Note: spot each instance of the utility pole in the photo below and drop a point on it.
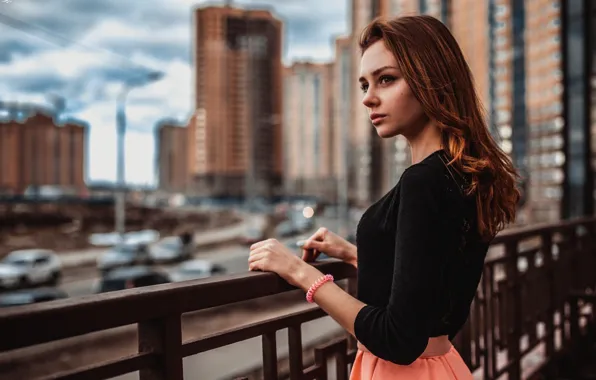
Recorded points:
(120, 205)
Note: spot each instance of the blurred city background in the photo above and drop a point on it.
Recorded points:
(152, 142)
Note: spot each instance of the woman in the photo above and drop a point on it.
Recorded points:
(421, 247)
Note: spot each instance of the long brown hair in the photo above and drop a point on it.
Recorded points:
(432, 63)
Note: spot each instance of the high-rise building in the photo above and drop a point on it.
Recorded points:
(534, 92)
(540, 153)
(308, 134)
(578, 36)
(342, 84)
(360, 126)
(37, 152)
(172, 157)
(237, 124)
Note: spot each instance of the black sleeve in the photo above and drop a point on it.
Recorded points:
(399, 333)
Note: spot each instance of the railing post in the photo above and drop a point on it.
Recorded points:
(295, 341)
(513, 349)
(341, 364)
(574, 330)
(547, 252)
(269, 356)
(164, 337)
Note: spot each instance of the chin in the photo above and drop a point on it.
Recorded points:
(385, 132)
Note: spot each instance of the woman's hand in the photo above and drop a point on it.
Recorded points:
(272, 256)
(325, 241)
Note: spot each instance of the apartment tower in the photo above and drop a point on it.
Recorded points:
(236, 128)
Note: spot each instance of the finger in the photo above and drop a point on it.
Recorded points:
(310, 255)
(261, 244)
(257, 255)
(313, 244)
(307, 255)
(320, 234)
(257, 262)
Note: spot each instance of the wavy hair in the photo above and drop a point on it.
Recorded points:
(433, 65)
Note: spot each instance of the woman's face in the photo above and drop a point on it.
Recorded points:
(392, 107)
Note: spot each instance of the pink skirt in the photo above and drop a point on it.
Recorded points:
(449, 366)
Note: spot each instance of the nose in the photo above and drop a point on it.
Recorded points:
(370, 99)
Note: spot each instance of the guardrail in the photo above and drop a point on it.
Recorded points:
(522, 302)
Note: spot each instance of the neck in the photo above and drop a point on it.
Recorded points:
(425, 143)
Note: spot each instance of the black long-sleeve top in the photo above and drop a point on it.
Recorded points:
(420, 260)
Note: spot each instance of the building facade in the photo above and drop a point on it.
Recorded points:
(37, 152)
(172, 156)
(309, 141)
(342, 87)
(236, 131)
(531, 68)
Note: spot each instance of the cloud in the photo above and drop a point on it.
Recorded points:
(85, 50)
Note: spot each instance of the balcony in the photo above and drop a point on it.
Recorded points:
(533, 308)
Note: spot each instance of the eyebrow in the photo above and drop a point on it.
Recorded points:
(376, 72)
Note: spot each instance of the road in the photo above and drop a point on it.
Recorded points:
(81, 281)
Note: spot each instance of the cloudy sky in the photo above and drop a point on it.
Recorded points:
(84, 50)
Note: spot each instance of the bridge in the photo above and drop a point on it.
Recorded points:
(535, 304)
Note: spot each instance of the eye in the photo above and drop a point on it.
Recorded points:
(386, 79)
(364, 87)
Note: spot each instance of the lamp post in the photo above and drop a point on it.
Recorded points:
(121, 131)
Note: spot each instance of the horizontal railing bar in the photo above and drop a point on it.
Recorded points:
(576, 295)
(314, 372)
(528, 252)
(521, 233)
(45, 322)
(109, 369)
(238, 334)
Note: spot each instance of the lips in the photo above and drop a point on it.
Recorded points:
(377, 118)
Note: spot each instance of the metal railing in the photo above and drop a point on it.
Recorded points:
(522, 303)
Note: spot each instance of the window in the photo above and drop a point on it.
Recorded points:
(501, 10)
(501, 40)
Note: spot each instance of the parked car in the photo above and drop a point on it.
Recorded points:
(195, 269)
(30, 296)
(130, 277)
(125, 254)
(171, 249)
(252, 235)
(286, 228)
(28, 267)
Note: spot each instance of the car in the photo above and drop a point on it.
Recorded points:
(195, 269)
(172, 249)
(130, 277)
(252, 235)
(124, 254)
(286, 228)
(30, 296)
(28, 267)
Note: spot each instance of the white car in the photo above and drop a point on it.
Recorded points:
(30, 267)
(122, 255)
(171, 249)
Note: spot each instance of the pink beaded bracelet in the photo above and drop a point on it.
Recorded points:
(313, 288)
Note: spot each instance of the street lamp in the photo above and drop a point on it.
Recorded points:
(121, 131)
